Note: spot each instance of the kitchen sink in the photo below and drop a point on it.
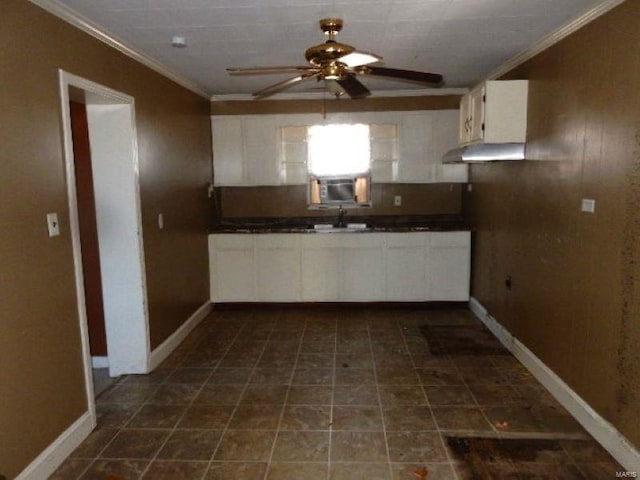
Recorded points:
(349, 227)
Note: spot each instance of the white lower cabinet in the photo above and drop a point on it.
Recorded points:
(232, 268)
(320, 267)
(405, 263)
(277, 268)
(360, 267)
(448, 266)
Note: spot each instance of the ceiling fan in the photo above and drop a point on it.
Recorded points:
(338, 65)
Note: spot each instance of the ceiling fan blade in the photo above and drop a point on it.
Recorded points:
(357, 59)
(277, 87)
(433, 79)
(353, 87)
(268, 70)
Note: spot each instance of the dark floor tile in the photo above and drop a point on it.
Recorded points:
(219, 395)
(416, 447)
(135, 444)
(195, 376)
(356, 418)
(496, 395)
(114, 415)
(313, 376)
(240, 360)
(128, 393)
(449, 395)
(95, 443)
(358, 447)
(230, 376)
(278, 359)
(168, 470)
(427, 360)
(360, 471)
(355, 395)
(157, 416)
(268, 375)
(315, 360)
(532, 419)
(461, 418)
(354, 360)
(395, 395)
(394, 361)
(264, 395)
(354, 376)
(439, 376)
(256, 417)
(246, 445)
(297, 471)
(301, 446)
(190, 445)
(200, 361)
(299, 417)
(158, 376)
(414, 471)
(126, 469)
(408, 418)
(71, 468)
(397, 376)
(482, 376)
(309, 395)
(206, 416)
(174, 394)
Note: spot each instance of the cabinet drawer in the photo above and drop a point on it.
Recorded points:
(450, 239)
(277, 241)
(233, 241)
(413, 239)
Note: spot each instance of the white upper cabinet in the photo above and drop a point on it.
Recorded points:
(228, 155)
(406, 147)
(494, 112)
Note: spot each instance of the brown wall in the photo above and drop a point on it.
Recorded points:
(41, 370)
(575, 299)
(291, 201)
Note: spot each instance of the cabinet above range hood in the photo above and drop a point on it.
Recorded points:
(493, 123)
(485, 152)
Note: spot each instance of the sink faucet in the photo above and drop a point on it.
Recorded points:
(341, 217)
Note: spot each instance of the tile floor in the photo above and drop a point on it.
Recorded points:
(334, 394)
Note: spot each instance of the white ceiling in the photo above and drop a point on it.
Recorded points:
(462, 39)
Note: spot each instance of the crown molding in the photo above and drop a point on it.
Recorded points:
(327, 96)
(78, 20)
(554, 37)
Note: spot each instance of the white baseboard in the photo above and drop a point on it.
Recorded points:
(52, 457)
(604, 432)
(170, 344)
(100, 362)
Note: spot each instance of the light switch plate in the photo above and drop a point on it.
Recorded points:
(53, 225)
(588, 205)
(160, 221)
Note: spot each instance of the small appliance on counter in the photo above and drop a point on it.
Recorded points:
(334, 192)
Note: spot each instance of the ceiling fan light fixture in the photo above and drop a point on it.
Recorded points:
(333, 71)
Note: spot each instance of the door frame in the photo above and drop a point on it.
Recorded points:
(128, 352)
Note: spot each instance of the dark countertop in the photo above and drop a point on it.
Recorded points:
(432, 223)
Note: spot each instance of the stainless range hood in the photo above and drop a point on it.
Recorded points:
(485, 152)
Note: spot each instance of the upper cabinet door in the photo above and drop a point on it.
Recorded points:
(260, 135)
(494, 112)
(416, 137)
(228, 157)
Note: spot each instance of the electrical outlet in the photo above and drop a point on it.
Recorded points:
(588, 205)
(397, 200)
(53, 225)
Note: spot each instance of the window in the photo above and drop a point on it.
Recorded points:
(338, 149)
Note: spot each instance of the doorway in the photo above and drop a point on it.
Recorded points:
(114, 271)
